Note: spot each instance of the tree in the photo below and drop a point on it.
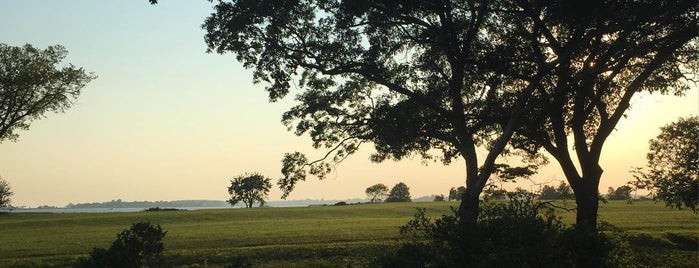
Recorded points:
(456, 193)
(439, 198)
(599, 55)
(5, 193)
(411, 77)
(249, 188)
(399, 193)
(377, 192)
(548, 192)
(621, 193)
(673, 164)
(32, 84)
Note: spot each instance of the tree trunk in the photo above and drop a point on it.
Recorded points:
(587, 200)
(469, 207)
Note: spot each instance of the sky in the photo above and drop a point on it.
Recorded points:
(165, 120)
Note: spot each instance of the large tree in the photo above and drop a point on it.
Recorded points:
(411, 77)
(377, 192)
(673, 164)
(601, 53)
(399, 193)
(249, 188)
(5, 193)
(32, 83)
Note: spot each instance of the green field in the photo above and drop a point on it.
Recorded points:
(322, 236)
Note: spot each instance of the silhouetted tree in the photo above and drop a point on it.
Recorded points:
(249, 188)
(32, 84)
(377, 192)
(620, 193)
(456, 193)
(399, 193)
(673, 164)
(599, 54)
(411, 77)
(439, 198)
(5, 193)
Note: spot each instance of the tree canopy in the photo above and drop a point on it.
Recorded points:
(673, 164)
(32, 84)
(377, 192)
(414, 78)
(399, 193)
(249, 188)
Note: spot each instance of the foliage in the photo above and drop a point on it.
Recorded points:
(673, 164)
(249, 188)
(5, 193)
(522, 232)
(139, 246)
(439, 198)
(399, 193)
(377, 192)
(413, 78)
(620, 193)
(563, 191)
(32, 84)
(599, 54)
(456, 193)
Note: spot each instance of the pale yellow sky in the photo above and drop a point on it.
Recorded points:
(165, 121)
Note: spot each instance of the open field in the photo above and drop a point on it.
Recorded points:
(327, 236)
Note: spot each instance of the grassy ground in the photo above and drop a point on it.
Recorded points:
(294, 237)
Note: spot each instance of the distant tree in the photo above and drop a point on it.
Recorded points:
(5, 193)
(620, 193)
(439, 198)
(399, 193)
(673, 164)
(377, 192)
(456, 193)
(548, 192)
(249, 188)
(31, 84)
(563, 191)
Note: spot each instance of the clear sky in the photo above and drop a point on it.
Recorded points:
(167, 121)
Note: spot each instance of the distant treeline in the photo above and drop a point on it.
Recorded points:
(148, 204)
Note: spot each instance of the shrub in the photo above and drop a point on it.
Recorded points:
(139, 246)
(520, 232)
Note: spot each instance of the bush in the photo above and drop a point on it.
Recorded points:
(520, 232)
(139, 246)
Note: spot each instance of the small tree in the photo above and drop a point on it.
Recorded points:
(621, 193)
(673, 164)
(139, 246)
(377, 192)
(399, 193)
(5, 193)
(439, 198)
(32, 85)
(456, 193)
(249, 188)
(548, 192)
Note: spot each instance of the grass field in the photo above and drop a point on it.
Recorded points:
(329, 236)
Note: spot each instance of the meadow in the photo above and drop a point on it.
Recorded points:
(316, 236)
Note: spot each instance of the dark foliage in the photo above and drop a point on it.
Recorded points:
(399, 193)
(249, 188)
(139, 246)
(521, 232)
(620, 193)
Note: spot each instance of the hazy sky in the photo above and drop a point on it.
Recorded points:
(166, 121)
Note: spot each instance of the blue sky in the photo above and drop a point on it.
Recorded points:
(165, 120)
